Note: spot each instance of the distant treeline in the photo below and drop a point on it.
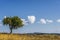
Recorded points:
(34, 33)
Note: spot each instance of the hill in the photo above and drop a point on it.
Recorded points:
(6, 36)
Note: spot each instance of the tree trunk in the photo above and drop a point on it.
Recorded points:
(10, 30)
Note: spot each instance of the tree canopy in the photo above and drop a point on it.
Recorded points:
(13, 22)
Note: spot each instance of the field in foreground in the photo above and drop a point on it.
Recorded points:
(28, 37)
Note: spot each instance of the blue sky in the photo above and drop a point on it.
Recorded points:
(40, 9)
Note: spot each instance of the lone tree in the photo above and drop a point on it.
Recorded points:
(13, 22)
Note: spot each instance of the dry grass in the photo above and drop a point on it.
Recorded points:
(28, 37)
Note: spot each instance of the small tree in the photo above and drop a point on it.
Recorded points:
(13, 22)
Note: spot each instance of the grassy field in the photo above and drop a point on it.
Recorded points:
(28, 37)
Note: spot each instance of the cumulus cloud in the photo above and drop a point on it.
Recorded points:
(43, 21)
(31, 19)
(58, 20)
(49, 21)
(24, 22)
(4, 16)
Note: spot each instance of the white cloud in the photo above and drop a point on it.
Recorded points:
(43, 21)
(31, 19)
(49, 21)
(58, 20)
(4, 16)
(24, 22)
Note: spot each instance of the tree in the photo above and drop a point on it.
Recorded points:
(13, 22)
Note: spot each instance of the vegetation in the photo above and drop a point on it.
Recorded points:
(28, 37)
(13, 22)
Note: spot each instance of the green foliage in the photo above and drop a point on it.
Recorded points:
(16, 22)
(13, 22)
(6, 21)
